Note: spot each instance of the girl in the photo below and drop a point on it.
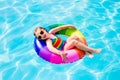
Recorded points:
(72, 41)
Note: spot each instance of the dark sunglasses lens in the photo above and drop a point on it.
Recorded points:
(39, 37)
(41, 32)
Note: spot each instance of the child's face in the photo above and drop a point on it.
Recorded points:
(41, 34)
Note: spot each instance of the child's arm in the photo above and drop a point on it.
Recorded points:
(51, 48)
(54, 50)
(53, 31)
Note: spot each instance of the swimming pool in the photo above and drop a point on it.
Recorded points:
(98, 20)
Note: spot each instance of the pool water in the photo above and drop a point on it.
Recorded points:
(98, 20)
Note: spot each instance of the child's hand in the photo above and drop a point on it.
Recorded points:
(63, 55)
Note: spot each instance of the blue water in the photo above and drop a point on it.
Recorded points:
(98, 20)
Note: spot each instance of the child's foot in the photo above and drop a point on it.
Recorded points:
(90, 56)
(97, 50)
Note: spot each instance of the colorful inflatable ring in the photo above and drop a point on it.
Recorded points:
(72, 55)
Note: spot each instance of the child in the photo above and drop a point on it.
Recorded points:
(72, 41)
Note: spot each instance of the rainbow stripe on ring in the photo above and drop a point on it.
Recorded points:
(72, 55)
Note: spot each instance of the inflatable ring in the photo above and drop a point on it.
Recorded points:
(72, 54)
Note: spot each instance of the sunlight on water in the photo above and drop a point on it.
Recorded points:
(98, 20)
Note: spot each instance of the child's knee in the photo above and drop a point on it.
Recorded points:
(74, 42)
(74, 37)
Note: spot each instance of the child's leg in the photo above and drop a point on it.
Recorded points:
(74, 37)
(80, 45)
(89, 54)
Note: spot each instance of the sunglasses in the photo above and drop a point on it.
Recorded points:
(39, 37)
